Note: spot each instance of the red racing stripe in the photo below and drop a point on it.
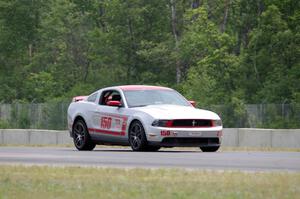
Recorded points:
(107, 132)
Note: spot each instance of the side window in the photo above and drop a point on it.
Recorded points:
(92, 98)
(110, 95)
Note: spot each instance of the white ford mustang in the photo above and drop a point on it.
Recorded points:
(144, 117)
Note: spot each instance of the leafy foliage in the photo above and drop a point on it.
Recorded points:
(231, 52)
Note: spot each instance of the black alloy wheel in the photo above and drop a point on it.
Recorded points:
(137, 137)
(81, 137)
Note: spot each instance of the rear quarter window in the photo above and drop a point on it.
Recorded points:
(92, 98)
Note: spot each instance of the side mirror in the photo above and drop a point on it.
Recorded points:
(114, 103)
(193, 103)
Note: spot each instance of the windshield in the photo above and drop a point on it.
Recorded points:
(136, 98)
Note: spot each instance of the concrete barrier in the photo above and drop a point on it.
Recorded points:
(233, 137)
(34, 137)
(15, 136)
(248, 137)
(230, 137)
(286, 138)
(63, 137)
(255, 137)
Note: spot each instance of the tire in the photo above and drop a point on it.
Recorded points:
(81, 137)
(137, 137)
(209, 148)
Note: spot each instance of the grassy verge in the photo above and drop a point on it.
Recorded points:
(74, 182)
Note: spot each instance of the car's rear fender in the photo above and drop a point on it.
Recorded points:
(75, 112)
(78, 117)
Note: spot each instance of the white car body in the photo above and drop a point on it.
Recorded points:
(109, 124)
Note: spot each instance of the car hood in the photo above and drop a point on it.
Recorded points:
(177, 112)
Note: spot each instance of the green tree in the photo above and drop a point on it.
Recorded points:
(212, 63)
(272, 59)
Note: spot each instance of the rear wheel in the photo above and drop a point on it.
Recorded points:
(81, 137)
(137, 137)
(209, 148)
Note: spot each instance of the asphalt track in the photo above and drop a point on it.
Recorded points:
(125, 158)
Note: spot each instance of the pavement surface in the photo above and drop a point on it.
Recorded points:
(125, 158)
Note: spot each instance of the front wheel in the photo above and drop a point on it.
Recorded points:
(137, 137)
(209, 148)
(81, 137)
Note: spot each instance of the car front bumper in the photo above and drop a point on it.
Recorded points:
(171, 137)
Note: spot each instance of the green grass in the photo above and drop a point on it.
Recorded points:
(75, 182)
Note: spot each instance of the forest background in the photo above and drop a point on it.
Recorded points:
(228, 53)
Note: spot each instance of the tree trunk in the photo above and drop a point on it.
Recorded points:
(86, 70)
(209, 9)
(100, 22)
(261, 7)
(175, 34)
(30, 51)
(195, 4)
(131, 52)
(223, 25)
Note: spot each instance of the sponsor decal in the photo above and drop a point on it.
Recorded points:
(165, 133)
(185, 133)
(195, 133)
(111, 125)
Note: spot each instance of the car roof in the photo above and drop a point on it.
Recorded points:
(142, 87)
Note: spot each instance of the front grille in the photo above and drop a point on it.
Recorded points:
(190, 142)
(192, 123)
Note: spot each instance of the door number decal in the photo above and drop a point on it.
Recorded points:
(105, 123)
(112, 125)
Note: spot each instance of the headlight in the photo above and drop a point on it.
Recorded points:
(217, 122)
(162, 123)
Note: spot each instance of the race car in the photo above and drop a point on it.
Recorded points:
(144, 117)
